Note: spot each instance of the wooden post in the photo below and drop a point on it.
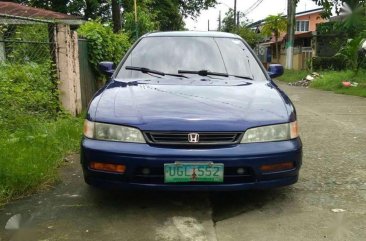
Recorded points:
(2, 48)
(67, 62)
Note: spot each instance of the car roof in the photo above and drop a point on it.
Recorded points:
(192, 34)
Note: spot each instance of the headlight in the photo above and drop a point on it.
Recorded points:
(109, 132)
(279, 132)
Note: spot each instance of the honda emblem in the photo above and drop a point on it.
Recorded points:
(193, 137)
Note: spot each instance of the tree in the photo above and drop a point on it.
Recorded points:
(274, 25)
(146, 22)
(353, 54)
(328, 5)
(228, 23)
(193, 8)
(116, 16)
(168, 13)
(250, 36)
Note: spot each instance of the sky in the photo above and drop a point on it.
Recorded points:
(267, 7)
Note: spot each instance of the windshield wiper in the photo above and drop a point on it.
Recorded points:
(202, 73)
(206, 73)
(151, 71)
(242, 77)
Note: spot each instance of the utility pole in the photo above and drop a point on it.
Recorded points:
(291, 23)
(235, 12)
(237, 18)
(136, 23)
(208, 25)
(220, 20)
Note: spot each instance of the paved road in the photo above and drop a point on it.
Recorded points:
(328, 202)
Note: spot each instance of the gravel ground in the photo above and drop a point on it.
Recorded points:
(328, 202)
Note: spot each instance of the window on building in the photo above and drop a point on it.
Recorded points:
(302, 26)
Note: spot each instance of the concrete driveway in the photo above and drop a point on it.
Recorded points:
(328, 202)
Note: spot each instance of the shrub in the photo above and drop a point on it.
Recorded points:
(103, 44)
(329, 63)
(27, 94)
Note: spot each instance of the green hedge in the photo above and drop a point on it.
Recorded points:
(103, 44)
(329, 63)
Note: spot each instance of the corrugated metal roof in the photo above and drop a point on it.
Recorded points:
(15, 9)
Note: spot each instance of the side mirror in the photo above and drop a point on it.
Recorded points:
(275, 70)
(107, 68)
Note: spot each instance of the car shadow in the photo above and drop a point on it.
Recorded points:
(230, 204)
(222, 205)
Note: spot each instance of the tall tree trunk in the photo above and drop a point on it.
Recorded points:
(116, 16)
(277, 52)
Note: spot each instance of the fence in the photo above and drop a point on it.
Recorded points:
(26, 40)
(34, 42)
(88, 82)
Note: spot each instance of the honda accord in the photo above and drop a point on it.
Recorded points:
(191, 111)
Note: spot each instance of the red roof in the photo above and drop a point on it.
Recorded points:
(19, 10)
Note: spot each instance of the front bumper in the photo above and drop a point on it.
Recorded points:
(138, 156)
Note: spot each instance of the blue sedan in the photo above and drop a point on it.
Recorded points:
(190, 111)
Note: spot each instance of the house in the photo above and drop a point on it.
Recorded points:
(304, 45)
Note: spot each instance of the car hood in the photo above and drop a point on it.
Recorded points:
(187, 107)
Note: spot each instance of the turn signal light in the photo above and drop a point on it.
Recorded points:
(277, 167)
(118, 168)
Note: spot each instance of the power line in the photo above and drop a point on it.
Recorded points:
(253, 7)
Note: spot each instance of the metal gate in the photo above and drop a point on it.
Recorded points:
(306, 55)
(88, 83)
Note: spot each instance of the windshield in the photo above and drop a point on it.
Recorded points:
(171, 54)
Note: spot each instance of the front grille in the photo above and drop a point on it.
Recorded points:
(181, 138)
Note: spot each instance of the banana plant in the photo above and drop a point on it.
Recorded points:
(354, 53)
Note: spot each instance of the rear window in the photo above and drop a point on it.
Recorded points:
(170, 54)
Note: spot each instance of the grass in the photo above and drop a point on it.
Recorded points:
(293, 75)
(29, 157)
(332, 81)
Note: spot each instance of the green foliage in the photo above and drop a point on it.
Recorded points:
(228, 25)
(332, 81)
(329, 5)
(329, 63)
(89, 9)
(26, 43)
(353, 21)
(350, 52)
(274, 25)
(29, 157)
(27, 94)
(327, 28)
(146, 23)
(103, 44)
(228, 22)
(193, 8)
(32, 128)
(293, 75)
(248, 35)
(168, 15)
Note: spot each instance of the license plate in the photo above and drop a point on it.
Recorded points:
(193, 172)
